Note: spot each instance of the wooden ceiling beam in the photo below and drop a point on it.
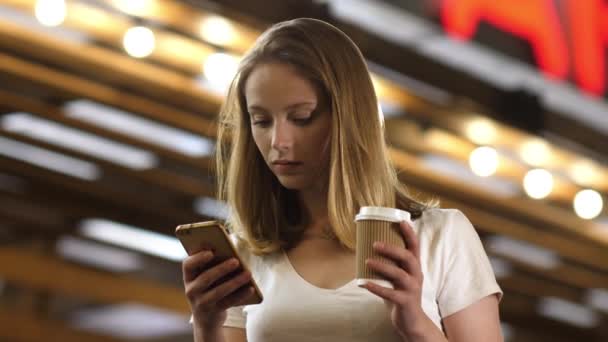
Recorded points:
(187, 20)
(581, 252)
(26, 327)
(49, 273)
(577, 275)
(163, 179)
(66, 211)
(410, 136)
(126, 203)
(521, 312)
(68, 86)
(520, 218)
(104, 65)
(568, 273)
(31, 270)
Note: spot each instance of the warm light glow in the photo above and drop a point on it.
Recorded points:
(217, 30)
(219, 69)
(139, 41)
(535, 152)
(380, 114)
(50, 12)
(379, 87)
(583, 172)
(134, 7)
(484, 161)
(588, 204)
(481, 131)
(538, 183)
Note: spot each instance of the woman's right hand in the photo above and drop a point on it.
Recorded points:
(208, 299)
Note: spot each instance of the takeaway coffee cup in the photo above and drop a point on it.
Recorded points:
(376, 224)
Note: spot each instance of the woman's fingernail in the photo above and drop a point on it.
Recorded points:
(378, 245)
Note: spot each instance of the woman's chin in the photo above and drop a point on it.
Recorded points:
(290, 182)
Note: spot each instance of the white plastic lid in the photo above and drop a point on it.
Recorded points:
(382, 213)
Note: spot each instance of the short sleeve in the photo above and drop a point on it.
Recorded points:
(235, 317)
(467, 274)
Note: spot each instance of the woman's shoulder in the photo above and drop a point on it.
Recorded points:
(438, 218)
(443, 222)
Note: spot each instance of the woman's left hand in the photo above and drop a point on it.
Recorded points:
(405, 299)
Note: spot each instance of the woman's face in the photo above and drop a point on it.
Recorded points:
(290, 127)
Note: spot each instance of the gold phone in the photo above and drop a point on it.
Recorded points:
(212, 235)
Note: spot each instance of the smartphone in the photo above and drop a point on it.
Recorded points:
(212, 235)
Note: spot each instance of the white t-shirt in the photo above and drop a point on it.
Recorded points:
(456, 271)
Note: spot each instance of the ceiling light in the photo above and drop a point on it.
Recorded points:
(458, 170)
(597, 298)
(583, 172)
(481, 131)
(522, 251)
(484, 161)
(217, 30)
(131, 124)
(131, 321)
(211, 207)
(396, 25)
(220, 69)
(588, 204)
(133, 7)
(49, 159)
(29, 125)
(50, 12)
(139, 42)
(535, 152)
(568, 312)
(501, 267)
(507, 331)
(29, 22)
(134, 238)
(538, 183)
(98, 255)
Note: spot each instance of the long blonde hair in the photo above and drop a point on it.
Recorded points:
(265, 214)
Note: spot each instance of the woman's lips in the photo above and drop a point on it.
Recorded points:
(285, 168)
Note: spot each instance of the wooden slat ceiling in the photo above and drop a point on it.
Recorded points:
(40, 74)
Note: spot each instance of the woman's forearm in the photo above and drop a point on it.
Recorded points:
(207, 335)
(425, 331)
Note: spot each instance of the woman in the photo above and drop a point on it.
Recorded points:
(306, 151)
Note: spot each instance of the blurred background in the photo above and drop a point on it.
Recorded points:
(107, 126)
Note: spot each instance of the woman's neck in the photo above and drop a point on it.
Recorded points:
(314, 204)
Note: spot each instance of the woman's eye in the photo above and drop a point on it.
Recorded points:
(302, 121)
(262, 123)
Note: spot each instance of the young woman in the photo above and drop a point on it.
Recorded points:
(300, 149)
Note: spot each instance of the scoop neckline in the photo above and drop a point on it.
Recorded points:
(308, 284)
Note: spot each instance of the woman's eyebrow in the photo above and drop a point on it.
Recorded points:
(289, 107)
(257, 108)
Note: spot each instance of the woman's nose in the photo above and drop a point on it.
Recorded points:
(282, 137)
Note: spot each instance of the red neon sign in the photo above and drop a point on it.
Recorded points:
(537, 22)
(590, 37)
